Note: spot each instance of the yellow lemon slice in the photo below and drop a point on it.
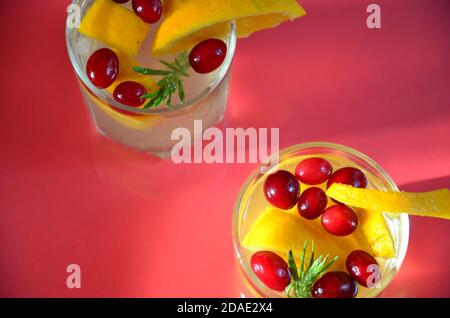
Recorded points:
(190, 21)
(434, 204)
(114, 25)
(280, 231)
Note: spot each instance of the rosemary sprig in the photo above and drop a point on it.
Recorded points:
(171, 82)
(303, 280)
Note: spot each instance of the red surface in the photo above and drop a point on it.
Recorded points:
(139, 226)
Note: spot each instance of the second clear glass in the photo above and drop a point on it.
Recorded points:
(150, 130)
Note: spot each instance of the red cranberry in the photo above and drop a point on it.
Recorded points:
(102, 68)
(339, 220)
(363, 267)
(313, 171)
(282, 189)
(208, 55)
(350, 176)
(271, 269)
(129, 93)
(335, 285)
(121, 1)
(148, 10)
(312, 203)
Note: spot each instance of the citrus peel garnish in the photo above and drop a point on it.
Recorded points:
(373, 229)
(189, 22)
(433, 204)
(114, 25)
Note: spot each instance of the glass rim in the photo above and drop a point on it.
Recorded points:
(245, 268)
(104, 96)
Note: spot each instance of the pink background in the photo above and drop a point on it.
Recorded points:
(139, 226)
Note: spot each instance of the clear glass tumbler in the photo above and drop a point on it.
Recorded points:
(150, 130)
(251, 202)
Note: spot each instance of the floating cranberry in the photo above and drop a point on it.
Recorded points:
(351, 176)
(208, 55)
(271, 269)
(363, 267)
(313, 171)
(102, 68)
(148, 10)
(335, 285)
(339, 220)
(121, 1)
(129, 93)
(282, 189)
(312, 203)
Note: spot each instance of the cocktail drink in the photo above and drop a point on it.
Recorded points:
(116, 99)
(147, 67)
(281, 214)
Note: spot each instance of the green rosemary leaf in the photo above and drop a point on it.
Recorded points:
(330, 263)
(173, 68)
(149, 104)
(182, 67)
(292, 266)
(171, 82)
(184, 73)
(181, 91)
(303, 257)
(303, 280)
(311, 260)
(156, 100)
(150, 95)
(169, 101)
(178, 64)
(288, 290)
(166, 93)
(173, 85)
